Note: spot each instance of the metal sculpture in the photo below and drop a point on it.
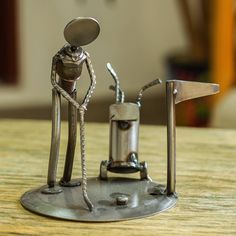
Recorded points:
(106, 198)
(66, 71)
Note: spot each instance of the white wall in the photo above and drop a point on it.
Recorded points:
(135, 37)
(224, 113)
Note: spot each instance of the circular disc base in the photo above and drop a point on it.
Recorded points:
(144, 198)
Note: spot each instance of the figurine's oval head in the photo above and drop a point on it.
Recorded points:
(69, 65)
(81, 31)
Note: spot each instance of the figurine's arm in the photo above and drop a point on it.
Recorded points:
(57, 87)
(92, 81)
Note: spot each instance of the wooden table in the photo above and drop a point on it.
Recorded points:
(206, 180)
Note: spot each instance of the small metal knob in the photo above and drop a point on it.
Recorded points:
(122, 200)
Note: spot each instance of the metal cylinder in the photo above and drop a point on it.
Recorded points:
(171, 138)
(124, 135)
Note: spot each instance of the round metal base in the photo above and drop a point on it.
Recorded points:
(114, 199)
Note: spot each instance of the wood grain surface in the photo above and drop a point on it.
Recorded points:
(206, 179)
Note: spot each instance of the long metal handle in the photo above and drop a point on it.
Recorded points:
(55, 138)
(171, 139)
(83, 160)
(72, 133)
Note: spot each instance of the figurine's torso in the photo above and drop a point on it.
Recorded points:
(69, 66)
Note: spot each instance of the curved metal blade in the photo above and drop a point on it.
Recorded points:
(185, 90)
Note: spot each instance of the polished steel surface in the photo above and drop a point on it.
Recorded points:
(186, 90)
(145, 198)
(124, 136)
(124, 146)
(124, 111)
(81, 31)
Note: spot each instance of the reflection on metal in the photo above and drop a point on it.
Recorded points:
(176, 92)
(114, 200)
(104, 198)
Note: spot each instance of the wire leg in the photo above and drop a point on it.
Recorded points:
(55, 143)
(72, 132)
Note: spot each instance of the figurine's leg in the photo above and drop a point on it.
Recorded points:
(72, 132)
(55, 143)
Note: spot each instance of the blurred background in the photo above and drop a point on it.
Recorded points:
(143, 40)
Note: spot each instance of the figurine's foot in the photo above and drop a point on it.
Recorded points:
(71, 183)
(144, 171)
(52, 190)
(175, 194)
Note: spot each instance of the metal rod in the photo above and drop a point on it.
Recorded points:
(83, 160)
(171, 138)
(146, 86)
(122, 96)
(121, 93)
(117, 83)
(55, 138)
(92, 81)
(72, 132)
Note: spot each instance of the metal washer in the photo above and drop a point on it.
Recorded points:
(81, 31)
(145, 198)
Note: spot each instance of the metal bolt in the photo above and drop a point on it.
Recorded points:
(122, 200)
(123, 125)
(51, 190)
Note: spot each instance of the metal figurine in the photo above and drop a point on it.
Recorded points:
(106, 198)
(67, 66)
